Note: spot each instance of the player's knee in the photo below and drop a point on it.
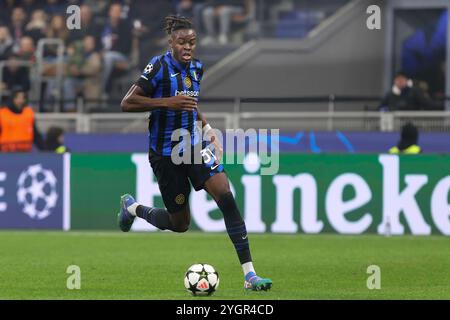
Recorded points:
(219, 193)
(218, 186)
(224, 195)
(180, 222)
(181, 227)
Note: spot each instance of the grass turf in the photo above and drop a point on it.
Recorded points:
(152, 265)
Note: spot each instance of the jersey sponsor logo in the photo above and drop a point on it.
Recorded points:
(187, 93)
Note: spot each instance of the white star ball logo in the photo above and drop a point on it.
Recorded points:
(148, 68)
(36, 191)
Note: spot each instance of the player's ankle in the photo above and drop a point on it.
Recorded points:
(132, 209)
(249, 276)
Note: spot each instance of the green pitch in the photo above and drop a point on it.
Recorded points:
(152, 265)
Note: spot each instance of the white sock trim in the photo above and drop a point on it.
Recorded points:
(248, 267)
(132, 209)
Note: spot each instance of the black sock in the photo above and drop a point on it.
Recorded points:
(235, 226)
(155, 216)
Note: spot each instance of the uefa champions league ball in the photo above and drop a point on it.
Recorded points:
(201, 279)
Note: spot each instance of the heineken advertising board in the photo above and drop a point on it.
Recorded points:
(347, 194)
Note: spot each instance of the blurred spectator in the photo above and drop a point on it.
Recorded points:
(6, 12)
(18, 129)
(83, 71)
(55, 140)
(147, 26)
(55, 7)
(58, 28)
(116, 41)
(184, 8)
(227, 12)
(37, 27)
(406, 96)
(192, 9)
(73, 2)
(440, 81)
(142, 13)
(88, 25)
(26, 49)
(15, 76)
(408, 141)
(99, 9)
(6, 43)
(17, 26)
(29, 6)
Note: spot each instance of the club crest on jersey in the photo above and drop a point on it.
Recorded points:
(179, 199)
(187, 82)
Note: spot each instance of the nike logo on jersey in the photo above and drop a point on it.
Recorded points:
(245, 237)
(174, 75)
(213, 167)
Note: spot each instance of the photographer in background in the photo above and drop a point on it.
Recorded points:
(406, 96)
(408, 141)
(55, 140)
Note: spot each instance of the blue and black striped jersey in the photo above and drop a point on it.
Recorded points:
(166, 77)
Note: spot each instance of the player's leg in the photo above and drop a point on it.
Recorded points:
(175, 188)
(219, 188)
(161, 218)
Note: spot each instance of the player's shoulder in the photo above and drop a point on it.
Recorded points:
(198, 64)
(153, 66)
(197, 69)
(156, 59)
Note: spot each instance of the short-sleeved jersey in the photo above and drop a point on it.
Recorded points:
(166, 77)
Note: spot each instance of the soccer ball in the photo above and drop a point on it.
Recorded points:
(201, 279)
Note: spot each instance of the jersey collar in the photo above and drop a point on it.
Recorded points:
(176, 64)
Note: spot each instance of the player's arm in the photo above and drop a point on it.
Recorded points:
(140, 96)
(136, 100)
(210, 134)
(202, 118)
(200, 115)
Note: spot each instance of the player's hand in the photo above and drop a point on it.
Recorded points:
(217, 145)
(182, 102)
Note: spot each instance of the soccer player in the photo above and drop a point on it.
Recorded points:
(168, 88)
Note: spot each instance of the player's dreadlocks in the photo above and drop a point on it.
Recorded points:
(174, 23)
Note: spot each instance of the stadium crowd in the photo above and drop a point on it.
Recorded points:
(106, 47)
(116, 38)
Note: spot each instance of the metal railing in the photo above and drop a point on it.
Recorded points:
(36, 70)
(113, 122)
(438, 121)
(58, 62)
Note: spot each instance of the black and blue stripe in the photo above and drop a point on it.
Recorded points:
(165, 77)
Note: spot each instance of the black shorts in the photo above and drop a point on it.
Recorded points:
(173, 179)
